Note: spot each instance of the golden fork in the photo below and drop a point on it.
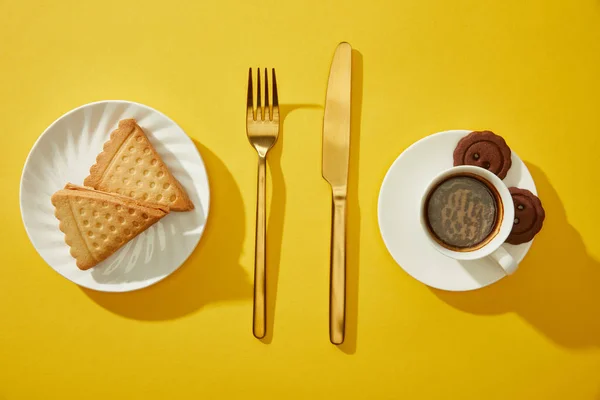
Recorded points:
(262, 128)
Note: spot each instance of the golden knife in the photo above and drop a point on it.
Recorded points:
(336, 152)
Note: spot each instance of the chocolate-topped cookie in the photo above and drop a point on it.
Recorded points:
(484, 149)
(529, 216)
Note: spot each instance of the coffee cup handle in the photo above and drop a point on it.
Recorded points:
(506, 261)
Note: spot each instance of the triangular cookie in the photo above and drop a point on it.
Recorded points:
(96, 224)
(129, 165)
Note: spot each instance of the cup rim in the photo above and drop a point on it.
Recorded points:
(505, 225)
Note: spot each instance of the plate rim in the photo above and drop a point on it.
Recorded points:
(379, 215)
(28, 159)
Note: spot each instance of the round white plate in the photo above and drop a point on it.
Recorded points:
(398, 213)
(66, 151)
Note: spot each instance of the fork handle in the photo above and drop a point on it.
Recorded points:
(259, 323)
(337, 277)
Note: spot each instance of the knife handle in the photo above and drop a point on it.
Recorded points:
(337, 277)
(259, 319)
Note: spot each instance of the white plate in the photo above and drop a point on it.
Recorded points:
(398, 213)
(66, 151)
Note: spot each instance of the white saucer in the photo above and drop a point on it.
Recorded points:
(398, 213)
(65, 152)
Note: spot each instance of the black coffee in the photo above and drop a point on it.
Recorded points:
(462, 212)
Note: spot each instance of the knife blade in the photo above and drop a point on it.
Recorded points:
(336, 154)
(336, 121)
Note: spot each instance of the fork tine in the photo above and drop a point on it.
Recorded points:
(275, 113)
(259, 113)
(249, 101)
(267, 108)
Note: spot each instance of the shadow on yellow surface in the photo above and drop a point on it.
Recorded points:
(276, 216)
(211, 275)
(353, 224)
(555, 288)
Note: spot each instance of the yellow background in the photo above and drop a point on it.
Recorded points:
(529, 70)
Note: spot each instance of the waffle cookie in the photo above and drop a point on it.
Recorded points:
(129, 165)
(96, 224)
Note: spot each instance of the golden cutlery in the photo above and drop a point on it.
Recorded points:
(262, 128)
(336, 154)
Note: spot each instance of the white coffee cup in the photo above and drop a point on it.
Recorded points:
(505, 210)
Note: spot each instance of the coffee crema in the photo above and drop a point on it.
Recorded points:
(463, 212)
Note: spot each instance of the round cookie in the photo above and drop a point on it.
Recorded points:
(529, 216)
(484, 149)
